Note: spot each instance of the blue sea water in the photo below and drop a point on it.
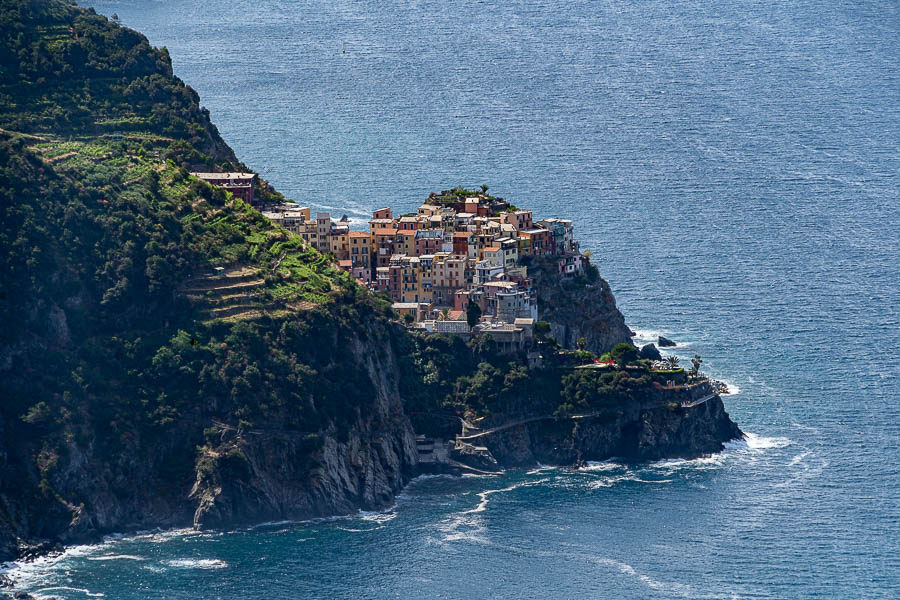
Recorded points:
(735, 169)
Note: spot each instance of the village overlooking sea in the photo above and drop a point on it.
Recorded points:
(458, 265)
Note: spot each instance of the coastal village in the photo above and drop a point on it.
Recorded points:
(457, 265)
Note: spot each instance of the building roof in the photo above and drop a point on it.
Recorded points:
(345, 263)
(462, 234)
(360, 234)
(385, 231)
(405, 305)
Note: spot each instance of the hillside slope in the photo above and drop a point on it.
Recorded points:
(136, 381)
(168, 356)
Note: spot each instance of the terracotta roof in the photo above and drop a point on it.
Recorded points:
(345, 263)
(385, 231)
(462, 234)
(360, 234)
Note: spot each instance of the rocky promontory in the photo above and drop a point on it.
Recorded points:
(171, 358)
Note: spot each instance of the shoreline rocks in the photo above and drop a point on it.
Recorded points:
(665, 342)
(650, 352)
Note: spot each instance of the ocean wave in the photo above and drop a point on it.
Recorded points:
(116, 557)
(601, 466)
(86, 592)
(485, 495)
(669, 587)
(197, 563)
(733, 389)
(752, 441)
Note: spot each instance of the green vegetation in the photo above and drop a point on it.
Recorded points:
(624, 354)
(473, 314)
(140, 303)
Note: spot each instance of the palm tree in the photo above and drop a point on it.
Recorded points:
(673, 362)
(445, 312)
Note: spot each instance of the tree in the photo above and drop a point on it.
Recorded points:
(696, 361)
(673, 362)
(473, 314)
(541, 329)
(484, 189)
(445, 312)
(581, 343)
(624, 354)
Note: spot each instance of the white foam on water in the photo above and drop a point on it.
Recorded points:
(378, 517)
(541, 469)
(758, 442)
(646, 336)
(70, 589)
(32, 573)
(467, 525)
(116, 557)
(799, 458)
(197, 563)
(485, 495)
(669, 587)
(702, 463)
(608, 482)
(599, 467)
(733, 389)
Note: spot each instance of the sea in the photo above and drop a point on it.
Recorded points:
(734, 167)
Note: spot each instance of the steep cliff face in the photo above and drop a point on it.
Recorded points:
(266, 473)
(575, 308)
(641, 430)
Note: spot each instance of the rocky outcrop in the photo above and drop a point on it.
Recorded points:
(665, 342)
(650, 352)
(640, 430)
(578, 308)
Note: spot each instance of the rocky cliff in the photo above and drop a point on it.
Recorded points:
(141, 390)
(268, 473)
(650, 427)
(578, 307)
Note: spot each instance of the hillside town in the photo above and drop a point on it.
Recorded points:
(459, 264)
(447, 257)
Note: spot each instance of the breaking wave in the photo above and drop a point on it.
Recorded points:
(197, 563)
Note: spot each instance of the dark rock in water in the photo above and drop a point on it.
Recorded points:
(650, 352)
(23, 596)
(633, 333)
(665, 342)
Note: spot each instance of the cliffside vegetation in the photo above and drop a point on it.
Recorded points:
(167, 353)
(115, 346)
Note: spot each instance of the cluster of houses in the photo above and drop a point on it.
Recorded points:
(451, 253)
(434, 263)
